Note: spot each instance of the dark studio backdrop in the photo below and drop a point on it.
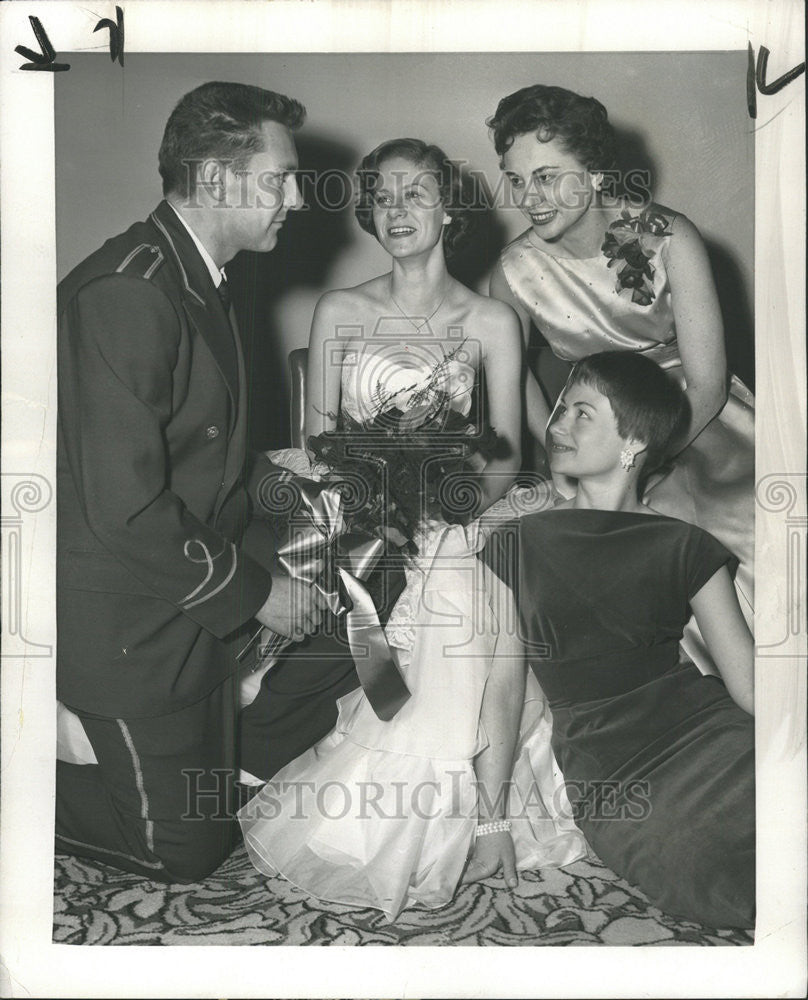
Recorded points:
(680, 116)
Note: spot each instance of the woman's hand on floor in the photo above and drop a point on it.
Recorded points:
(492, 852)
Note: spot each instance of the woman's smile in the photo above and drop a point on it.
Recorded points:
(558, 447)
(397, 231)
(541, 218)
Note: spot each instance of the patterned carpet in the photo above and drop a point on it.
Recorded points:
(583, 904)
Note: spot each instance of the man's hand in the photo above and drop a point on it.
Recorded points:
(294, 608)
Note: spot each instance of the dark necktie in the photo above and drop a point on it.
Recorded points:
(227, 304)
(224, 295)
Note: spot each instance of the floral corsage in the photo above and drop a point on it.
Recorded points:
(629, 244)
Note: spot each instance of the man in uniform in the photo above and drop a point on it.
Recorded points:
(153, 581)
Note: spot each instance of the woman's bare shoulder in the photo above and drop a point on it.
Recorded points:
(369, 294)
(490, 317)
(675, 223)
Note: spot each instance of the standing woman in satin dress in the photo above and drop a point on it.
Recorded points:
(595, 273)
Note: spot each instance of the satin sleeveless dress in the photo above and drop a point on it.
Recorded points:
(383, 814)
(579, 310)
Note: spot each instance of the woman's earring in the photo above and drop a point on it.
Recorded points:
(627, 458)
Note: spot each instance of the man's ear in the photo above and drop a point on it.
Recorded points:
(212, 178)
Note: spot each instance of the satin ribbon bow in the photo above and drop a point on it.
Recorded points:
(318, 533)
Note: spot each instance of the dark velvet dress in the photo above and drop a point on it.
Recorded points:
(658, 759)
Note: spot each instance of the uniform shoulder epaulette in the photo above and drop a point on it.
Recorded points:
(141, 262)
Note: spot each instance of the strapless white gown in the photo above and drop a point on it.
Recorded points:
(383, 814)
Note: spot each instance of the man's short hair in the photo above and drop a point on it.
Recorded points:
(219, 121)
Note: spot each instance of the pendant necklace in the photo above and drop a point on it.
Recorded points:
(421, 325)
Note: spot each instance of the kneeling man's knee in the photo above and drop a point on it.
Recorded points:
(191, 851)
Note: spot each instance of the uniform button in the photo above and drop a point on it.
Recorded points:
(212, 431)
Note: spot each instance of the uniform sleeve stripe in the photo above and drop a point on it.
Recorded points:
(207, 559)
(221, 586)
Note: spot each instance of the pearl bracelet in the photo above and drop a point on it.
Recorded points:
(497, 826)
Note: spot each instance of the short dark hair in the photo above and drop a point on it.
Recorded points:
(219, 121)
(582, 124)
(648, 404)
(452, 187)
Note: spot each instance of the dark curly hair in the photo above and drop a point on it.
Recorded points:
(582, 123)
(452, 187)
(219, 121)
(648, 404)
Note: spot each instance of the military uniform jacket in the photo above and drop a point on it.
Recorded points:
(152, 504)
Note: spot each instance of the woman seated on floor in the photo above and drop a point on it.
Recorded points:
(658, 759)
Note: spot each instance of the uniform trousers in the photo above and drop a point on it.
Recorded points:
(162, 798)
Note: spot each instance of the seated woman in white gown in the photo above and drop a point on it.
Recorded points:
(385, 814)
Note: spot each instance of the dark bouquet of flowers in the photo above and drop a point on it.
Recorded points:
(629, 244)
(380, 480)
(400, 468)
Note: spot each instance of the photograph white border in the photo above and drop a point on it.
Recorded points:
(32, 965)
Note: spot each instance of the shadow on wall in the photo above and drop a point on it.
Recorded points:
(640, 175)
(473, 260)
(637, 174)
(303, 258)
(734, 299)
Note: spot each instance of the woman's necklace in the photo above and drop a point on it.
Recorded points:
(409, 319)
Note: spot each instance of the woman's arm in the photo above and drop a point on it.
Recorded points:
(699, 327)
(536, 408)
(501, 711)
(502, 361)
(727, 636)
(324, 366)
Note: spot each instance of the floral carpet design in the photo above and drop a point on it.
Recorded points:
(583, 904)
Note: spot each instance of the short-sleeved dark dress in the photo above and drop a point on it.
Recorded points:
(658, 759)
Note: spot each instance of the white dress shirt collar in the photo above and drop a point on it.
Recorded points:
(217, 275)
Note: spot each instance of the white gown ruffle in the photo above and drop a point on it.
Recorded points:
(383, 814)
